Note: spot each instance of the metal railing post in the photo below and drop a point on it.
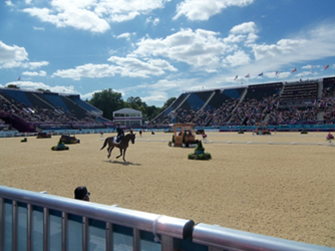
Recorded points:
(85, 229)
(29, 226)
(136, 240)
(46, 228)
(64, 230)
(109, 237)
(167, 243)
(14, 225)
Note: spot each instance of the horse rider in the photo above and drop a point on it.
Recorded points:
(120, 134)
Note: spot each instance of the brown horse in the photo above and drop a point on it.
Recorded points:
(123, 145)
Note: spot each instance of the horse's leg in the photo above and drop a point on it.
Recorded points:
(124, 155)
(109, 150)
(120, 154)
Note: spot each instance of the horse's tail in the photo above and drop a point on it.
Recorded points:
(105, 143)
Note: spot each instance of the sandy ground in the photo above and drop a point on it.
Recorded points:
(281, 185)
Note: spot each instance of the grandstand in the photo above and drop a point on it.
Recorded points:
(30, 111)
(301, 103)
(308, 102)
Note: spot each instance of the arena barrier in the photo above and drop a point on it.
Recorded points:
(39, 221)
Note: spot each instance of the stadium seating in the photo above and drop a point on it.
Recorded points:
(299, 102)
(303, 102)
(30, 111)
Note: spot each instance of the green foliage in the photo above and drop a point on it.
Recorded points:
(304, 131)
(151, 112)
(43, 90)
(13, 86)
(168, 103)
(199, 153)
(60, 147)
(107, 101)
(136, 103)
(199, 147)
(202, 156)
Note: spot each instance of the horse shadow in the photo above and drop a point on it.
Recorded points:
(127, 163)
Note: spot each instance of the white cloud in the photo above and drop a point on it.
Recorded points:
(284, 46)
(155, 96)
(197, 48)
(244, 28)
(88, 71)
(91, 15)
(26, 65)
(203, 10)
(15, 56)
(29, 85)
(34, 73)
(39, 28)
(124, 17)
(12, 53)
(234, 39)
(308, 46)
(130, 67)
(307, 67)
(35, 65)
(154, 22)
(89, 95)
(9, 3)
(133, 67)
(238, 58)
(126, 35)
(251, 39)
(202, 49)
(163, 89)
(70, 16)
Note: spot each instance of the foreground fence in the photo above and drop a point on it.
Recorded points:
(37, 221)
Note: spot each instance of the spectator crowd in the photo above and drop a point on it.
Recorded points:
(268, 109)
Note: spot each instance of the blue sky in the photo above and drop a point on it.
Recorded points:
(157, 49)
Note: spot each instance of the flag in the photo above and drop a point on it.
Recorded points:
(236, 77)
(248, 75)
(294, 70)
(19, 78)
(276, 73)
(261, 74)
(327, 66)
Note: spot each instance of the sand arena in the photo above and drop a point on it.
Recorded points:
(260, 184)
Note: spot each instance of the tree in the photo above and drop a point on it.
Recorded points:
(137, 104)
(168, 103)
(148, 112)
(13, 86)
(152, 112)
(43, 90)
(107, 101)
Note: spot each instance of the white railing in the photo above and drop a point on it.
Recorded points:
(38, 221)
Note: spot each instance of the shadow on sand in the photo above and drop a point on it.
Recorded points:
(127, 163)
